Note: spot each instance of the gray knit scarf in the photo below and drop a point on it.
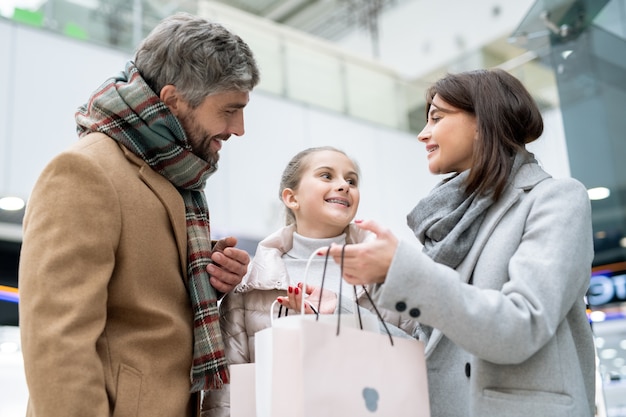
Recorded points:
(446, 222)
(127, 110)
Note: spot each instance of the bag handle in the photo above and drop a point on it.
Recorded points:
(306, 274)
(319, 303)
(356, 300)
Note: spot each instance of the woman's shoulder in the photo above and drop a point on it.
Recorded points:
(534, 180)
(566, 196)
(562, 187)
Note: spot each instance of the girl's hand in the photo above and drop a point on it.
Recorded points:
(312, 294)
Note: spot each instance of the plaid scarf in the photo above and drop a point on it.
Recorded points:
(127, 110)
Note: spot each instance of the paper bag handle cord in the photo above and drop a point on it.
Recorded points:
(316, 311)
(343, 250)
(280, 311)
(380, 317)
(319, 302)
(306, 273)
(356, 300)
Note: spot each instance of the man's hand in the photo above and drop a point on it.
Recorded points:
(229, 265)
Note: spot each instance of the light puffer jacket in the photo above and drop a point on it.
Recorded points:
(246, 310)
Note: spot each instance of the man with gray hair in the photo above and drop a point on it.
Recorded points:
(119, 278)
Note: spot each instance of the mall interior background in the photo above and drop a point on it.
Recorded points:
(349, 73)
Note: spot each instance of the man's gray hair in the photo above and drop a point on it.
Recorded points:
(198, 57)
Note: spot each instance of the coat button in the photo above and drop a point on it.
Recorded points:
(414, 312)
(400, 306)
(468, 369)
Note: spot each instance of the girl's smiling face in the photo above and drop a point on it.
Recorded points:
(327, 196)
(449, 136)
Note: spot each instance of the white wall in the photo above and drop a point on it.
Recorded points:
(44, 77)
(244, 192)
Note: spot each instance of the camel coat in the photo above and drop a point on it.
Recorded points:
(105, 317)
(511, 336)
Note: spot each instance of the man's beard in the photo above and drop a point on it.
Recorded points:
(199, 140)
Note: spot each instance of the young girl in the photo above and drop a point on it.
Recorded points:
(505, 265)
(320, 192)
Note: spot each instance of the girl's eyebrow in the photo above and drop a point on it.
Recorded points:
(325, 168)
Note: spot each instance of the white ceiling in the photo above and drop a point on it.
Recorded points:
(414, 37)
(420, 36)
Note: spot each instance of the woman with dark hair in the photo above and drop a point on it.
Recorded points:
(505, 261)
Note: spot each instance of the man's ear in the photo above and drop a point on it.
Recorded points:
(172, 99)
(289, 198)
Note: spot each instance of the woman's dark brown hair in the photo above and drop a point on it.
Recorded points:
(507, 118)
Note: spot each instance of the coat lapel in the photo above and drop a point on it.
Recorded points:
(171, 200)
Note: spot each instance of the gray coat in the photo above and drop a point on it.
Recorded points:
(511, 335)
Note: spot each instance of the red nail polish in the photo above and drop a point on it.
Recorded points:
(279, 300)
(290, 289)
(296, 290)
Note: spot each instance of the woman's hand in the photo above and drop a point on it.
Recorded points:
(312, 294)
(368, 262)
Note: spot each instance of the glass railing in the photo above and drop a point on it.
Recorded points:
(304, 68)
(294, 65)
(612, 18)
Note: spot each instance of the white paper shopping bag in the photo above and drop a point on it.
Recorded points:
(242, 390)
(278, 380)
(328, 366)
(305, 369)
(357, 373)
(278, 360)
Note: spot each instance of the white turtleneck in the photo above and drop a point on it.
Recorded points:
(296, 260)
